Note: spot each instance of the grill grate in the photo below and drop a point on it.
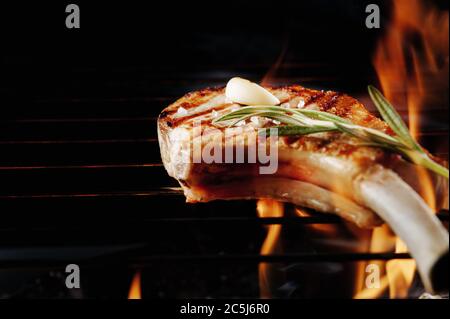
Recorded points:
(104, 175)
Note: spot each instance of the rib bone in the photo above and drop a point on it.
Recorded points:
(288, 190)
(409, 217)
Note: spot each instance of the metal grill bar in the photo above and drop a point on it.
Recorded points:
(321, 219)
(99, 166)
(130, 119)
(138, 124)
(143, 261)
(163, 191)
(101, 141)
(440, 133)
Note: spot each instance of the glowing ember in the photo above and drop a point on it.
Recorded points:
(135, 288)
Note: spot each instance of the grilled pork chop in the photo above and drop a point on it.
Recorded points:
(330, 172)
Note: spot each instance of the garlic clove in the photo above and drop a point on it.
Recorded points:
(243, 91)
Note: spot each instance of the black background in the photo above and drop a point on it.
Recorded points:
(41, 57)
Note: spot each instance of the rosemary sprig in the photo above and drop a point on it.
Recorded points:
(412, 150)
(303, 122)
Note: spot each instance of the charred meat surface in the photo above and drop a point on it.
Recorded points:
(328, 161)
(330, 172)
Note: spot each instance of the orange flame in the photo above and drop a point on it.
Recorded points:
(413, 56)
(269, 208)
(382, 240)
(135, 288)
(400, 273)
(410, 59)
(329, 230)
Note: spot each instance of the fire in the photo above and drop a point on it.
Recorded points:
(410, 61)
(329, 230)
(135, 288)
(413, 56)
(267, 272)
(400, 273)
